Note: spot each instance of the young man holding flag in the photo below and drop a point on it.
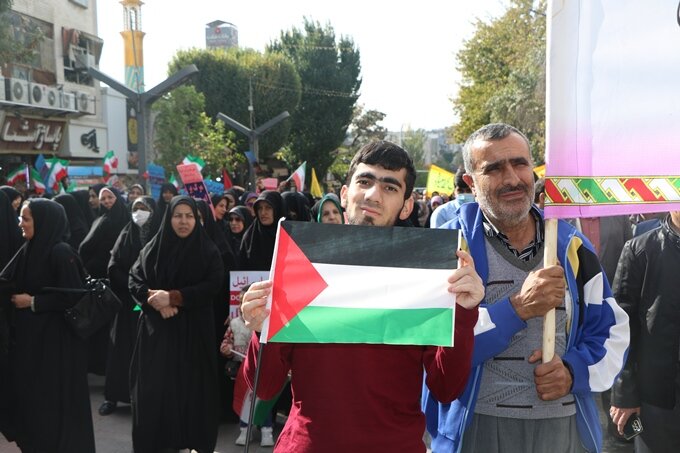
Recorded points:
(512, 402)
(365, 397)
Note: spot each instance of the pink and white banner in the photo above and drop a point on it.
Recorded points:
(613, 107)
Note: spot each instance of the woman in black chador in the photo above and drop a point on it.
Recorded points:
(257, 246)
(50, 402)
(173, 375)
(76, 219)
(144, 225)
(95, 250)
(9, 244)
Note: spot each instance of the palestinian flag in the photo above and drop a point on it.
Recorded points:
(110, 163)
(16, 175)
(361, 284)
(200, 163)
(299, 177)
(243, 398)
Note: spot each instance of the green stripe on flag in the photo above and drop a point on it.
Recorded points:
(424, 326)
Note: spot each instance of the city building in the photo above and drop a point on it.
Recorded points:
(49, 104)
(221, 35)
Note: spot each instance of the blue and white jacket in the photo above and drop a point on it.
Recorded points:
(597, 337)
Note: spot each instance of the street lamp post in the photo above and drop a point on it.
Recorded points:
(143, 102)
(253, 135)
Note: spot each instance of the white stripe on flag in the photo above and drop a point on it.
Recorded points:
(384, 287)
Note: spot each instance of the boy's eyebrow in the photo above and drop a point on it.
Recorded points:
(385, 179)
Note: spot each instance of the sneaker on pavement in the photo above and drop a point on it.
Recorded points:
(243, 435)
(266, 437)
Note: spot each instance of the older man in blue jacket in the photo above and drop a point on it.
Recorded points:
(512, 401)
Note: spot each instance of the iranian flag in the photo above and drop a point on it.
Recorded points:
(361, 284)
(16, 175)
(200, 163)
(110, 162)
(36, 181)
(299, 177)
(58, 171)
(174, 181)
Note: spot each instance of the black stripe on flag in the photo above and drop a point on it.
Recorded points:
(359, 245)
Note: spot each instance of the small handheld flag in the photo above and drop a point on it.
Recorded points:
(299, 177)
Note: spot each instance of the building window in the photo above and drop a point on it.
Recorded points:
(81, 50)
(35, 60)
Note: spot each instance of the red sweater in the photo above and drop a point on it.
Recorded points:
(361, 397)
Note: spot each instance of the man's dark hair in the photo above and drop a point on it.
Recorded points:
(460, 182)
(490, 132)
(539, 188)
(387, 155)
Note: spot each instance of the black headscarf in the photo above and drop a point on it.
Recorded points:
(245, 196)
(82, 197)
(216, 233)
(257, 247)
(76, 218)
(244, 214)
(9, 230)
(96, 188)
(30, 268)
(96, 247)
(12, 194)
(170, 262)
(161, 203)
(296, 206)
(136, 237)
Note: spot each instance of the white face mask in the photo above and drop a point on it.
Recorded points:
(140, 217)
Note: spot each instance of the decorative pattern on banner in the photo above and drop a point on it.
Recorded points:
(579, 191)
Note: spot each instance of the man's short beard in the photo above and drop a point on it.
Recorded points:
(503, 217)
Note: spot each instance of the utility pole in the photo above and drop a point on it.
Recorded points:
(253, 134)
(143, 102)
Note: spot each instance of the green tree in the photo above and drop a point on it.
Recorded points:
(414, 142)
(503, 69)
(19, 38)
(228, 77)
(329, 70)
(182, 128)
(364, 129)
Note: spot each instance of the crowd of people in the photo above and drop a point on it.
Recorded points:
(173, 351)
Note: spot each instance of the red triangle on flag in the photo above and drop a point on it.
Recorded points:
(296, 283)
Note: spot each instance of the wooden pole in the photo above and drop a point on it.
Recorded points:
(549, 259)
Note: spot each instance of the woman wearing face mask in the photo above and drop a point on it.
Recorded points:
(95, 250)
(173, 373)
(136, 234)
(49, 397)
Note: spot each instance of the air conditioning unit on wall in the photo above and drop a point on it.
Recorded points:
(44, 95)
(68, 100)
(85, 102)
(17, 90)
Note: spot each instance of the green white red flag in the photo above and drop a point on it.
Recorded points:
(58, 170)
(36, 181)
(200, 163)
(174, 181)
(299, 177)
(361, 284)
(19, 174)
(110, 163)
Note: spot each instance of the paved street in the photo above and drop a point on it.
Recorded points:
(112, 433)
